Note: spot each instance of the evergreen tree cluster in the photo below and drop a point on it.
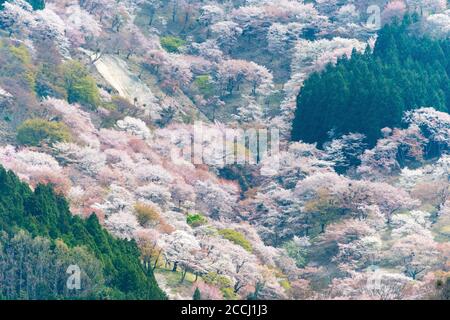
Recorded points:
(372, 90)
(36, 4)
(42, 217)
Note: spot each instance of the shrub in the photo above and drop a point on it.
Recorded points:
(297, 252)
(223, 283)
(204, 85)
(285, 284)
(197, 295)
(172, 44)
(217, 280)
(34, 131)
(36, 4)
(229, 294)
(49, 82)
(80, 86)
(237, 238)
(146, 214)
(196, 220)
(21, 54)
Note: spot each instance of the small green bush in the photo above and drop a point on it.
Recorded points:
(80, 86)
(196, 220)
(204, 85)
(25, 67)
(229, 294)
(34, 131)
(172, 44)
(197, 295)
(21, 52)
(36, 4)
(237, 238)
(296, 252)
(49, 82)
(217, 280)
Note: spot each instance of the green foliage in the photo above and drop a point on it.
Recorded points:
(322, 211)
(229, 294)
(42, 213)
(204, 85)
(49, 82)
(296, 252)
(80, 86)
(285, 284)
(237, 238)
(222, 282)
(25, 258)
(21, 53)
(196, 220)
(36, 4)
(371, 91)
(16, 64)
(172, 44)
(197, 295)
(255, 294)
(217, 280)
(35, 131)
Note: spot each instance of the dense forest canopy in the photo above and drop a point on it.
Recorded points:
(33, 220)
(371, 91)
(36, 4)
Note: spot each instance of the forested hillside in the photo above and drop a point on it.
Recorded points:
(36, 4)
(40, 239)
(370, 91)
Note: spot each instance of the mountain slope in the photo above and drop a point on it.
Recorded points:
(42, 213)
(369, 92)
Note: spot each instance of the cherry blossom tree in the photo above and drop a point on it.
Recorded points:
(180, 248)
(81, 26)
(414, 255)
(216, 200)
(226, 34)
(210, 14)
(134, 126)
(150, 8)
(393, 10)
(345, 151)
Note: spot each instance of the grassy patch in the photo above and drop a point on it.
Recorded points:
(237, 238)
(172, 44)
(196, 220)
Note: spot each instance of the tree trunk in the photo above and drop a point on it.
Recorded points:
(183, 275)
(155, 264)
